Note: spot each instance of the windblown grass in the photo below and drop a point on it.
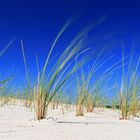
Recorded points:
(90, 93)
(91, 88)
(47, 86)
(130, 89)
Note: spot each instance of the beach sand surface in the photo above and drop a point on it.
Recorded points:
(18, 123)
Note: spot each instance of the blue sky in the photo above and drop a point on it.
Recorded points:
(37, 22)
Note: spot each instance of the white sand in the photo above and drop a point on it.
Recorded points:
(17, 123)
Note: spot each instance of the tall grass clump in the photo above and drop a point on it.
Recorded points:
(80, 99)
(51, 80)
(130, 89)
(91, 89)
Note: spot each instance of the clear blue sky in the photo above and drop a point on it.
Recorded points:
(38, 21)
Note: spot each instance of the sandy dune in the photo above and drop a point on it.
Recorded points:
(17, 123)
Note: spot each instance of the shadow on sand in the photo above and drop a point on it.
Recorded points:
(86, 123)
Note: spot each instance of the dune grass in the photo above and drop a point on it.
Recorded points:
(91, 93)
(91, 88)
(130, 89)
(47, 86)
